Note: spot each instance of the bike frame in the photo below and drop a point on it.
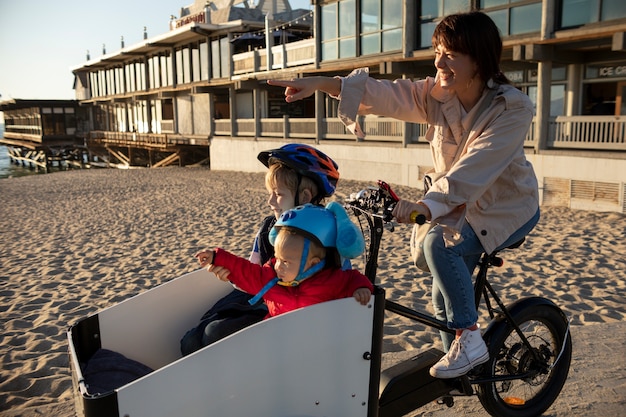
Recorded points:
(482, 289)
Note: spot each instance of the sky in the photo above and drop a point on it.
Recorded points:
(42, 40)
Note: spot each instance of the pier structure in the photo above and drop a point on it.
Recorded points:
(43, 134)
(53, 134)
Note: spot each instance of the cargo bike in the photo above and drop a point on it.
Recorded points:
(322, 360)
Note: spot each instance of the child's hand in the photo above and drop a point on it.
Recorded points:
(362, 295)
(204, 257)
(220, 272)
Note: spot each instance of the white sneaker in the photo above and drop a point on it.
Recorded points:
(465, 353)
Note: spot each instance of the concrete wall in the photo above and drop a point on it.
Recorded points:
(398, 165)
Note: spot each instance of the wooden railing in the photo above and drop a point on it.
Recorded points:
(565, 132)
(146, 140)
(588, 132)
(283, 56)
(377, 129)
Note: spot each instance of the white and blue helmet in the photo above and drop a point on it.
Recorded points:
(330, 226)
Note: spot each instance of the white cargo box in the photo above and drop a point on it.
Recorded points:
(322, 360)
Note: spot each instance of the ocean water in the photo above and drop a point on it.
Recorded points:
(11, 170)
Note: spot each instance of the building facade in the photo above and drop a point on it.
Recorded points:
(202, 84)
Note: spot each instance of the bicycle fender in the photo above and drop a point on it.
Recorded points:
(498, 324)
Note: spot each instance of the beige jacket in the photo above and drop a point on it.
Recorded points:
(492, 178)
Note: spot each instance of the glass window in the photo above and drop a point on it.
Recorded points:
(557, 99)
(501, 19)
(392, 39)
(559, 74)
(381, 26)
(492, 3)
(347, 28)
(370, 16)
(431, 11)
(347, 47)
(525, 19)
(370, 44)
(512, 19)
(613, 9)
(579, 12)
(339, 30)
(426, 34)
(329, 22)
(456, 6)
(347, 23)
(392, 14)
(329, 32)
(329, 50)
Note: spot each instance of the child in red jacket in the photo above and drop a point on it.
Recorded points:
(309, 242)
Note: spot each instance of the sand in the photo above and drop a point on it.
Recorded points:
(75, 242)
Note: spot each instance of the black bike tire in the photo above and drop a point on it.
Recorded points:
(553, 319)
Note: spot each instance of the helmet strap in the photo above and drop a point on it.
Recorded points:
(302, 273)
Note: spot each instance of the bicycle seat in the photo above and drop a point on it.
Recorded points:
(512, 246)
(516, 244)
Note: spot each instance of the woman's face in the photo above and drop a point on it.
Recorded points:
(455, 70)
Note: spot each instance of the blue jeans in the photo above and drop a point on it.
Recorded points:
(452, 269)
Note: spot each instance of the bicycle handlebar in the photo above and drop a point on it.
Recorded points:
(380, 201)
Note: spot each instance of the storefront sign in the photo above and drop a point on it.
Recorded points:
(515, 76)
(194, 18)
(605, 71)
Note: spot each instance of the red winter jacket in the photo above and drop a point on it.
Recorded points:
(328, 284)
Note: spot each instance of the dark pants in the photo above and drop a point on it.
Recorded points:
(229, 315)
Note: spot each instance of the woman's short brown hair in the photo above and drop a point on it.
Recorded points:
(476, 35)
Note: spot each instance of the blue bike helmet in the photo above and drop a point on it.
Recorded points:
(314, 222)
(329, 225)
(308, 162)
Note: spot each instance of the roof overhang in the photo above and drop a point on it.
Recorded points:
(17, 103)
(184, 34)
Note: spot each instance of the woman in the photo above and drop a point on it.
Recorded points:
(489, 197)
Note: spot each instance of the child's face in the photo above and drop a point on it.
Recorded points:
(281, 199)
(288, 254)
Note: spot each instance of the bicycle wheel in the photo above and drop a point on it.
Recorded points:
(541, 377)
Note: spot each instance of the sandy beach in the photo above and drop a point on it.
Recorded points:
(75, 242)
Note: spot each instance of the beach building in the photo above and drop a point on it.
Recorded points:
(197, 93)
(44, 133)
